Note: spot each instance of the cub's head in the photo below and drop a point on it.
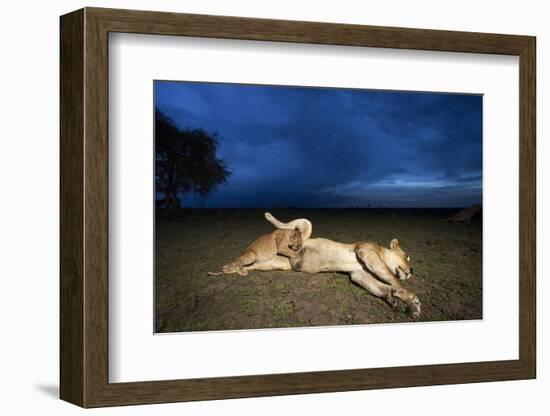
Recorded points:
(398, 261)
(295, 240)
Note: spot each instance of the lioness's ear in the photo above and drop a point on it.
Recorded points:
(394, 243)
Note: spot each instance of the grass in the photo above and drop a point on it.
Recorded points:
(446, 259)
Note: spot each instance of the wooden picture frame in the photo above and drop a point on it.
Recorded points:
(84, 207)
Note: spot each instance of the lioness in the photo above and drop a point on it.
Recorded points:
(287, 242)
(465, 215)
(365, 261)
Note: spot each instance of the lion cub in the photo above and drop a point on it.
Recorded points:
(265, 248)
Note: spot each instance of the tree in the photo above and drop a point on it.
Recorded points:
(185, 161)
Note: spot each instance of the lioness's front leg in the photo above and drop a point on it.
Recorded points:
(376, 266)
(377, 288)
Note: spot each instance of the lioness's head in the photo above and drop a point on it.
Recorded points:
(295, 240)
(398, 261)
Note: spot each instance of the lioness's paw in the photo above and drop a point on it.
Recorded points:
(410, 301)
(268, 216)
(414, 306)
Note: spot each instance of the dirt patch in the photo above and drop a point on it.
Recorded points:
(446, 259)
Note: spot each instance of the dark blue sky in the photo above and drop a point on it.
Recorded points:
(325, 147)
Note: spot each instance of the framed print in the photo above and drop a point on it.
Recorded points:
(256, 207)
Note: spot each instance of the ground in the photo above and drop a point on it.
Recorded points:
(446, 259)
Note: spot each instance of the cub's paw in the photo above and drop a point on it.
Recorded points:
(229, 268)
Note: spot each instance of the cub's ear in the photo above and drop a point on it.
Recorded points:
(394, 243)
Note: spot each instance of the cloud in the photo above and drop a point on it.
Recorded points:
(324, 147)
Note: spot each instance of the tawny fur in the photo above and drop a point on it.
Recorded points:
(376, 268)
(264, 249)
